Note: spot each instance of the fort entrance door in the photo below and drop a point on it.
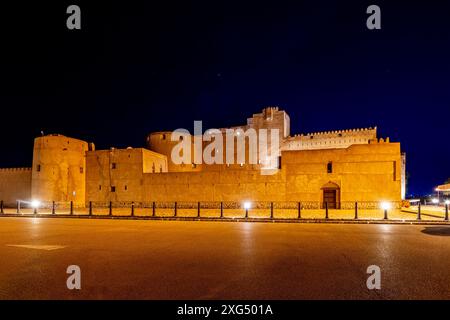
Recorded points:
(329, 196)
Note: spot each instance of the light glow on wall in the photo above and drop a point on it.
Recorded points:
(385, 205)
(35, 204)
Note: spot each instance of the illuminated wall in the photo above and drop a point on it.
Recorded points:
(370, 172)
(15, 184)
(59, 169)
(117, 174)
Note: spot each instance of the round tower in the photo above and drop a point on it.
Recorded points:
(59, 169)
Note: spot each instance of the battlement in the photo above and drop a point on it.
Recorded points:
(379, 140)
(14, 169)
(337, 132)
(334, 139)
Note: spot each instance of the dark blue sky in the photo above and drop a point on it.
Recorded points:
(136, 68)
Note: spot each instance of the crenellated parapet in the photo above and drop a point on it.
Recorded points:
(330, 139)
(15, 169)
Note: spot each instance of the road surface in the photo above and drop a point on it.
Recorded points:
(126, 259)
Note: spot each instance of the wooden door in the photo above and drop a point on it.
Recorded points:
(329, 196)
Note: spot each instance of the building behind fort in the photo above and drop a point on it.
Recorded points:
(333, 166)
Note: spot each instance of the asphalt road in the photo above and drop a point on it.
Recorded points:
(217, 260)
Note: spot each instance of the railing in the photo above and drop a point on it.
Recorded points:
(365, 210)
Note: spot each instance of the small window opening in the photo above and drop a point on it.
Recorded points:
(330, 167)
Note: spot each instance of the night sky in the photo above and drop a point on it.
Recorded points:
(139, 67)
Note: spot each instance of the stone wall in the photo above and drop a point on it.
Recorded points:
(15, 184)
(59, 169)
(117, 174)
(269, 118)
(369, 172)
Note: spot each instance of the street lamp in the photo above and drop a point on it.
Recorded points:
(435, 201)
(385, 206)
(35, 205)
(247, 205)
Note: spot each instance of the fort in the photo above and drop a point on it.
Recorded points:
(333, 167)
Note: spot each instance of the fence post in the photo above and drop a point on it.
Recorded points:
(419, 208)
(90, 208)
(175, 209)
(153, 209)
(446, 212)
(221, 209)
(271, 210)
(71, 207)
(299, 208)
(53, 207)
(132, 209)
(35, 210)
(198, 209)
(356, 210)
(110, 208)
(326, 210)
(1, 207)
(419, 212)
(18, 206)
(385, 214)
(246, 213)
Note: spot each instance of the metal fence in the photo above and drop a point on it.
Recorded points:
(226, 209)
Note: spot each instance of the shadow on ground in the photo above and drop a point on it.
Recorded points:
(437, 231)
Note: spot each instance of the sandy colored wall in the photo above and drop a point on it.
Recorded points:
(363, 172)
(15, 184)
(153, 162)
(59, 169)
(122, 169)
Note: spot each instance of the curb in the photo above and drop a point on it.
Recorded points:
(225, 219)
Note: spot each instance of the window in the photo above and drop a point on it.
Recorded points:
(330, 167)
(100, 187)
(153, 168)
(113, 189)
(395, 170)
(38, 168)
(114, 165)
(81, 169)
(126, 188)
